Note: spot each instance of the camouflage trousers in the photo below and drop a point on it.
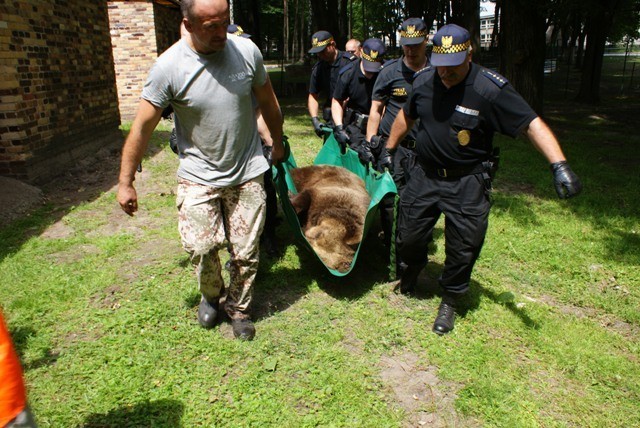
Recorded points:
(211, 218)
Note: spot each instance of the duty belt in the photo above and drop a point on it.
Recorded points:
(434, 171)
(408, 143)
(359, 120)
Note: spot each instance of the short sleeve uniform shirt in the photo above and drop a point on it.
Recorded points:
(457, 124)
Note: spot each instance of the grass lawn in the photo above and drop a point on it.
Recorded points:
(102, 307)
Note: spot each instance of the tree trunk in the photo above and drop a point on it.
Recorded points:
(597, 28)
(466, 13)
(522, 49)
(285, 30)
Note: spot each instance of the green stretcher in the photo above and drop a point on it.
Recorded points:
(377, 184)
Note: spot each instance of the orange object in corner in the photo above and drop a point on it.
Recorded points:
(13, 398)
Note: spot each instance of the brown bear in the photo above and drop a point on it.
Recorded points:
(331, 203)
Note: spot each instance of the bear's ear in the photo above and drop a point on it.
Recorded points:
(301, 201)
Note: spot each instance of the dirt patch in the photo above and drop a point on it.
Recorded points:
(607, 321)
(426, 399)
(17, 199)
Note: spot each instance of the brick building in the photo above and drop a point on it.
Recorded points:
(58, 93)
(58, 100)
(140, 31)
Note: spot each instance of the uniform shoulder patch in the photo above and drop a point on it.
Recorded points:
(349, 56)
(345, 69)
(422, 70)
(389, 62)
(494, 77)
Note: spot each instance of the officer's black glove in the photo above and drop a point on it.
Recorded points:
(385, 160)
(341, 137)
(266, 151)
(364, 152)
(317, 126)
(376, 145)
(566, 181)
(173, 141)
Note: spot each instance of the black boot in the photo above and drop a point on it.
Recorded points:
(207, 313)
(243, 328)
(270, 244)
(446, 315)
(409, 278)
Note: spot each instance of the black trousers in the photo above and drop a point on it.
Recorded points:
(465, 205)
(271, 220)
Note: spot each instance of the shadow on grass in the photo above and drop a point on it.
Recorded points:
(428, 288)
(20, 337)
(160, 413)
(77, 185)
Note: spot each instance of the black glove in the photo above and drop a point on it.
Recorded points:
(341, 137)
(385, 160)
(173, 141)
(376, 145)
(566, 181)
(364, 152)
(266, 151)
(317, 126)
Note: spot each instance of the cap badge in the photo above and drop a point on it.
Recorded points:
(447, 41)
(411, 29)
(464, 137)
(374, 54)
(315, 41)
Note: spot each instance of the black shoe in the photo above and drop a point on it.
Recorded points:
(409, 278)
(243, 328)
(270, 245)
(446, 316)
(207, 313)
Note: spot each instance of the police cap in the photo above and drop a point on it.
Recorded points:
(237, 30)
(372, 55)
(450, 46)
(319, 41)
(413, 32)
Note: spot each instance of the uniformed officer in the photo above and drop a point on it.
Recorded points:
(237, 30)
(268, 238)
(324, 76)
(389, 95)
(353, 46)
(460, 106)
(352, 97)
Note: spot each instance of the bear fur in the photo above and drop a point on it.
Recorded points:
(331, 204)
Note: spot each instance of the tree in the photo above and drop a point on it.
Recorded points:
(598, 24)
(522, 48)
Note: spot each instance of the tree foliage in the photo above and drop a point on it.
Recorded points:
(579, 29)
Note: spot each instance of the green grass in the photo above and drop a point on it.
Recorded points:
(104, 317)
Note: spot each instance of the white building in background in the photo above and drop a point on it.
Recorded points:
(487, 21)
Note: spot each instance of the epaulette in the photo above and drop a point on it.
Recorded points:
(345, 69)
(494, 77)
(389, 62)
(349, 56)
(422, 70)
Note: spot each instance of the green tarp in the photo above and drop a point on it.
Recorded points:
(377, 184)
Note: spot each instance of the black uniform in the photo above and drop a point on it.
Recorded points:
(355, 87)
(324, 77)
(451, 176)
(392, 88)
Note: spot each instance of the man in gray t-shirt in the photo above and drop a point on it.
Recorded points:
(208, 78)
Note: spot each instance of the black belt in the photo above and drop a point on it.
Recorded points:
(434, 171)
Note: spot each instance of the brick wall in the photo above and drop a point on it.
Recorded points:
(58, 99)
(140, 31)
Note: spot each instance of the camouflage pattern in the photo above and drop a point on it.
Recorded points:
(211, 219)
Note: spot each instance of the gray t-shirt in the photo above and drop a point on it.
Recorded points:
(215, 120)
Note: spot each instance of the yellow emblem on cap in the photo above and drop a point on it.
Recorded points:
(411, 29)
(464, 137)
(447, 41)
(374, 54)
(314, 42)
